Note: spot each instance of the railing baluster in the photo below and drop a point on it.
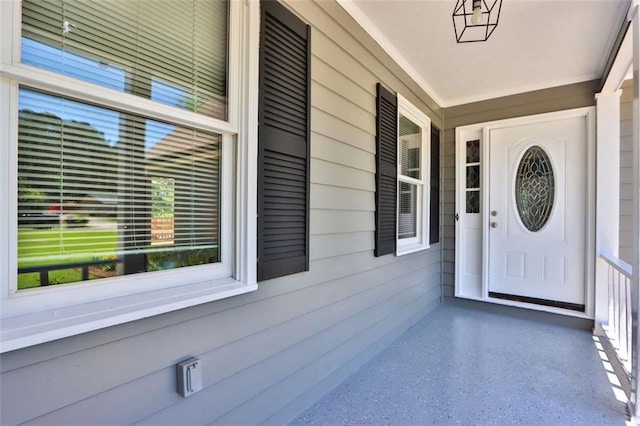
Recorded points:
(621, 307)
(623, 326)
(44, 278)
(43, 270)
(620, 317)
(628, 324)
(616, 312)
(610, 305)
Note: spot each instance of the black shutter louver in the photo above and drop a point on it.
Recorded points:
(386, 171)
(283, 143)
(434, 201)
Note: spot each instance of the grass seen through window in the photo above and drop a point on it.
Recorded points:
(60, 245)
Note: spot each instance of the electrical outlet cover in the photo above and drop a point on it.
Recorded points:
(189, 376)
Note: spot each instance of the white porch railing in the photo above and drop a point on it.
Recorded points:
(618, 329)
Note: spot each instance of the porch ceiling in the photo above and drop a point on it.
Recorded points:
(537, 44)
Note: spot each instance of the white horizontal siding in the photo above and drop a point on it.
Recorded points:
(333, 151)
(328, 309)
(332, 197)
(340, 221)
(332, 245)
(341, 176)
(337, 128)
(297, 360)
(336, 105)
(329, 77)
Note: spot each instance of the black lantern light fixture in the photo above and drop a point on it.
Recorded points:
(475, 20)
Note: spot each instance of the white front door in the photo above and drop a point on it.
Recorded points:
(537, 212)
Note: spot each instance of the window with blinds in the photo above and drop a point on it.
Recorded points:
(107, 193)
(104, 192)
(410, 177)
(173, 52)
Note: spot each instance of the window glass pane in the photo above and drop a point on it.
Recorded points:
(170, 51)
(473, 151)
(473, 176)
(473, 202)
(407, 210)
(104, 193)
(410, 142)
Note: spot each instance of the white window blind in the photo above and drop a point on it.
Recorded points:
(173, 52)
(407, 210)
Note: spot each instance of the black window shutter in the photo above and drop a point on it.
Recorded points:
(386, 171)
(434, 201)
(283, 143)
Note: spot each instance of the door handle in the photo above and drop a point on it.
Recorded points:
(494, 224)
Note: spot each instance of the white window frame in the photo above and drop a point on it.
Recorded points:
(30, 317)
(421, 240)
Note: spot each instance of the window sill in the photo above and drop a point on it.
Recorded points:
(411, 248)
(41, 327)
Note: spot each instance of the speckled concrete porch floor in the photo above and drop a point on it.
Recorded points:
(467, 366)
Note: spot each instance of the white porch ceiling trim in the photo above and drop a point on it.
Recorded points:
(362, 19)
(359, 16)
(622, 68)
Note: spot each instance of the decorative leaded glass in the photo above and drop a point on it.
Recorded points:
(473, 151)
(473, 202)
(473, 177)
(535, 188)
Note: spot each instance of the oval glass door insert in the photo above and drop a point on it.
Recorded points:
(535, 188)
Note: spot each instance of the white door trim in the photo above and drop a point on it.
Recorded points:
(473, 286)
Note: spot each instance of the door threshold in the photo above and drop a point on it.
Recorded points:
(537, 301)
(529, 306)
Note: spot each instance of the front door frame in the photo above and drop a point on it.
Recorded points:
(472, 236)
